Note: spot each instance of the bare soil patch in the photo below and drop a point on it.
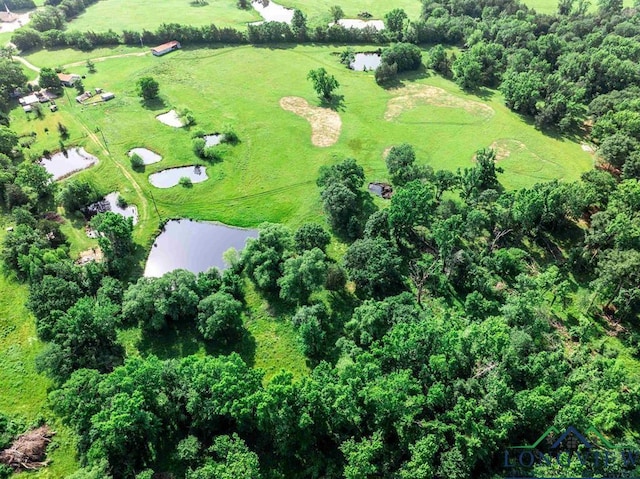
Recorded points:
(411, 96)
(505, 147)
(28, 451)
(326, 124)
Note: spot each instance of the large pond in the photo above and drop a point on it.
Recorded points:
(64, 163)
(194, 246)
(148, 157)
(365, 61)
(171, 177)
(272, 12)
(110, 203)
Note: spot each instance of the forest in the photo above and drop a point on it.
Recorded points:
(458, 321)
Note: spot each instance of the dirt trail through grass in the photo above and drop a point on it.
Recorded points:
(143, 206)
(108, 57)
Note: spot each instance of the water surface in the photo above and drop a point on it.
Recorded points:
(110, 203)
(193, 245)
(64, 163)
(171, 176)
(272, 12)
(148, 157)
(365, 61)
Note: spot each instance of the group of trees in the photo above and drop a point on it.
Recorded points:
(456, 321)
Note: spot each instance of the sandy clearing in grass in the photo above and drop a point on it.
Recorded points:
(504, 148)
(411, 96)
(325, 123)
(170, 118)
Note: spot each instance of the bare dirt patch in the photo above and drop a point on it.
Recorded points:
(326, 124)
(505, 147)
(411, 96)
(10, 22)
(27, 453)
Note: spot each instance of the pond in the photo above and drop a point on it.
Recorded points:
(213, 140)
(365, 62)
(170, 118)
(148, 157)
(110, 203)
(64, 163)
(272, 12)
(360, 24)
(171, 177)
(194, 246)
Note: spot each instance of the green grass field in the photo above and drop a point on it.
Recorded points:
(223, 13)
(142, 14)
(270, 175)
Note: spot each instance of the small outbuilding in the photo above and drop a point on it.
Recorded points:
(29, 100)
(106, 96)
(166, 48)
(68, 80)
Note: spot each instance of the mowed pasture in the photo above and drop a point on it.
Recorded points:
(121, 15)
(141, 14)
(270, 175)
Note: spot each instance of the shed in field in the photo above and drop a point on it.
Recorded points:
(166, 48)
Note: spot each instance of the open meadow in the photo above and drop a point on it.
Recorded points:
(270, 175)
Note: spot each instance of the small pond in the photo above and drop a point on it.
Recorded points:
(148, 157)
(272, 12)
(110, 203)
(63, 163)
(170, 118)
(365, 62)
(194, 246)
(360, 24)
(213, 140)
(171, 177)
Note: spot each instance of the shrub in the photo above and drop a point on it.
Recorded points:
(198, 145)
(407, 56)
(186, 182)
(211, 154)
(137, 163)
(230, 136)
(121, 202)
(386, 73)
(347, 56)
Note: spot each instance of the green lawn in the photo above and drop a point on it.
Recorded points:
(270, 175)
(142, 14)
(23, 392)
(318, 11)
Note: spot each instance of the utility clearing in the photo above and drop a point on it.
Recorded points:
(325, 123)
(414, 95)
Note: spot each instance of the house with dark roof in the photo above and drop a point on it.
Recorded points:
(166, 48)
